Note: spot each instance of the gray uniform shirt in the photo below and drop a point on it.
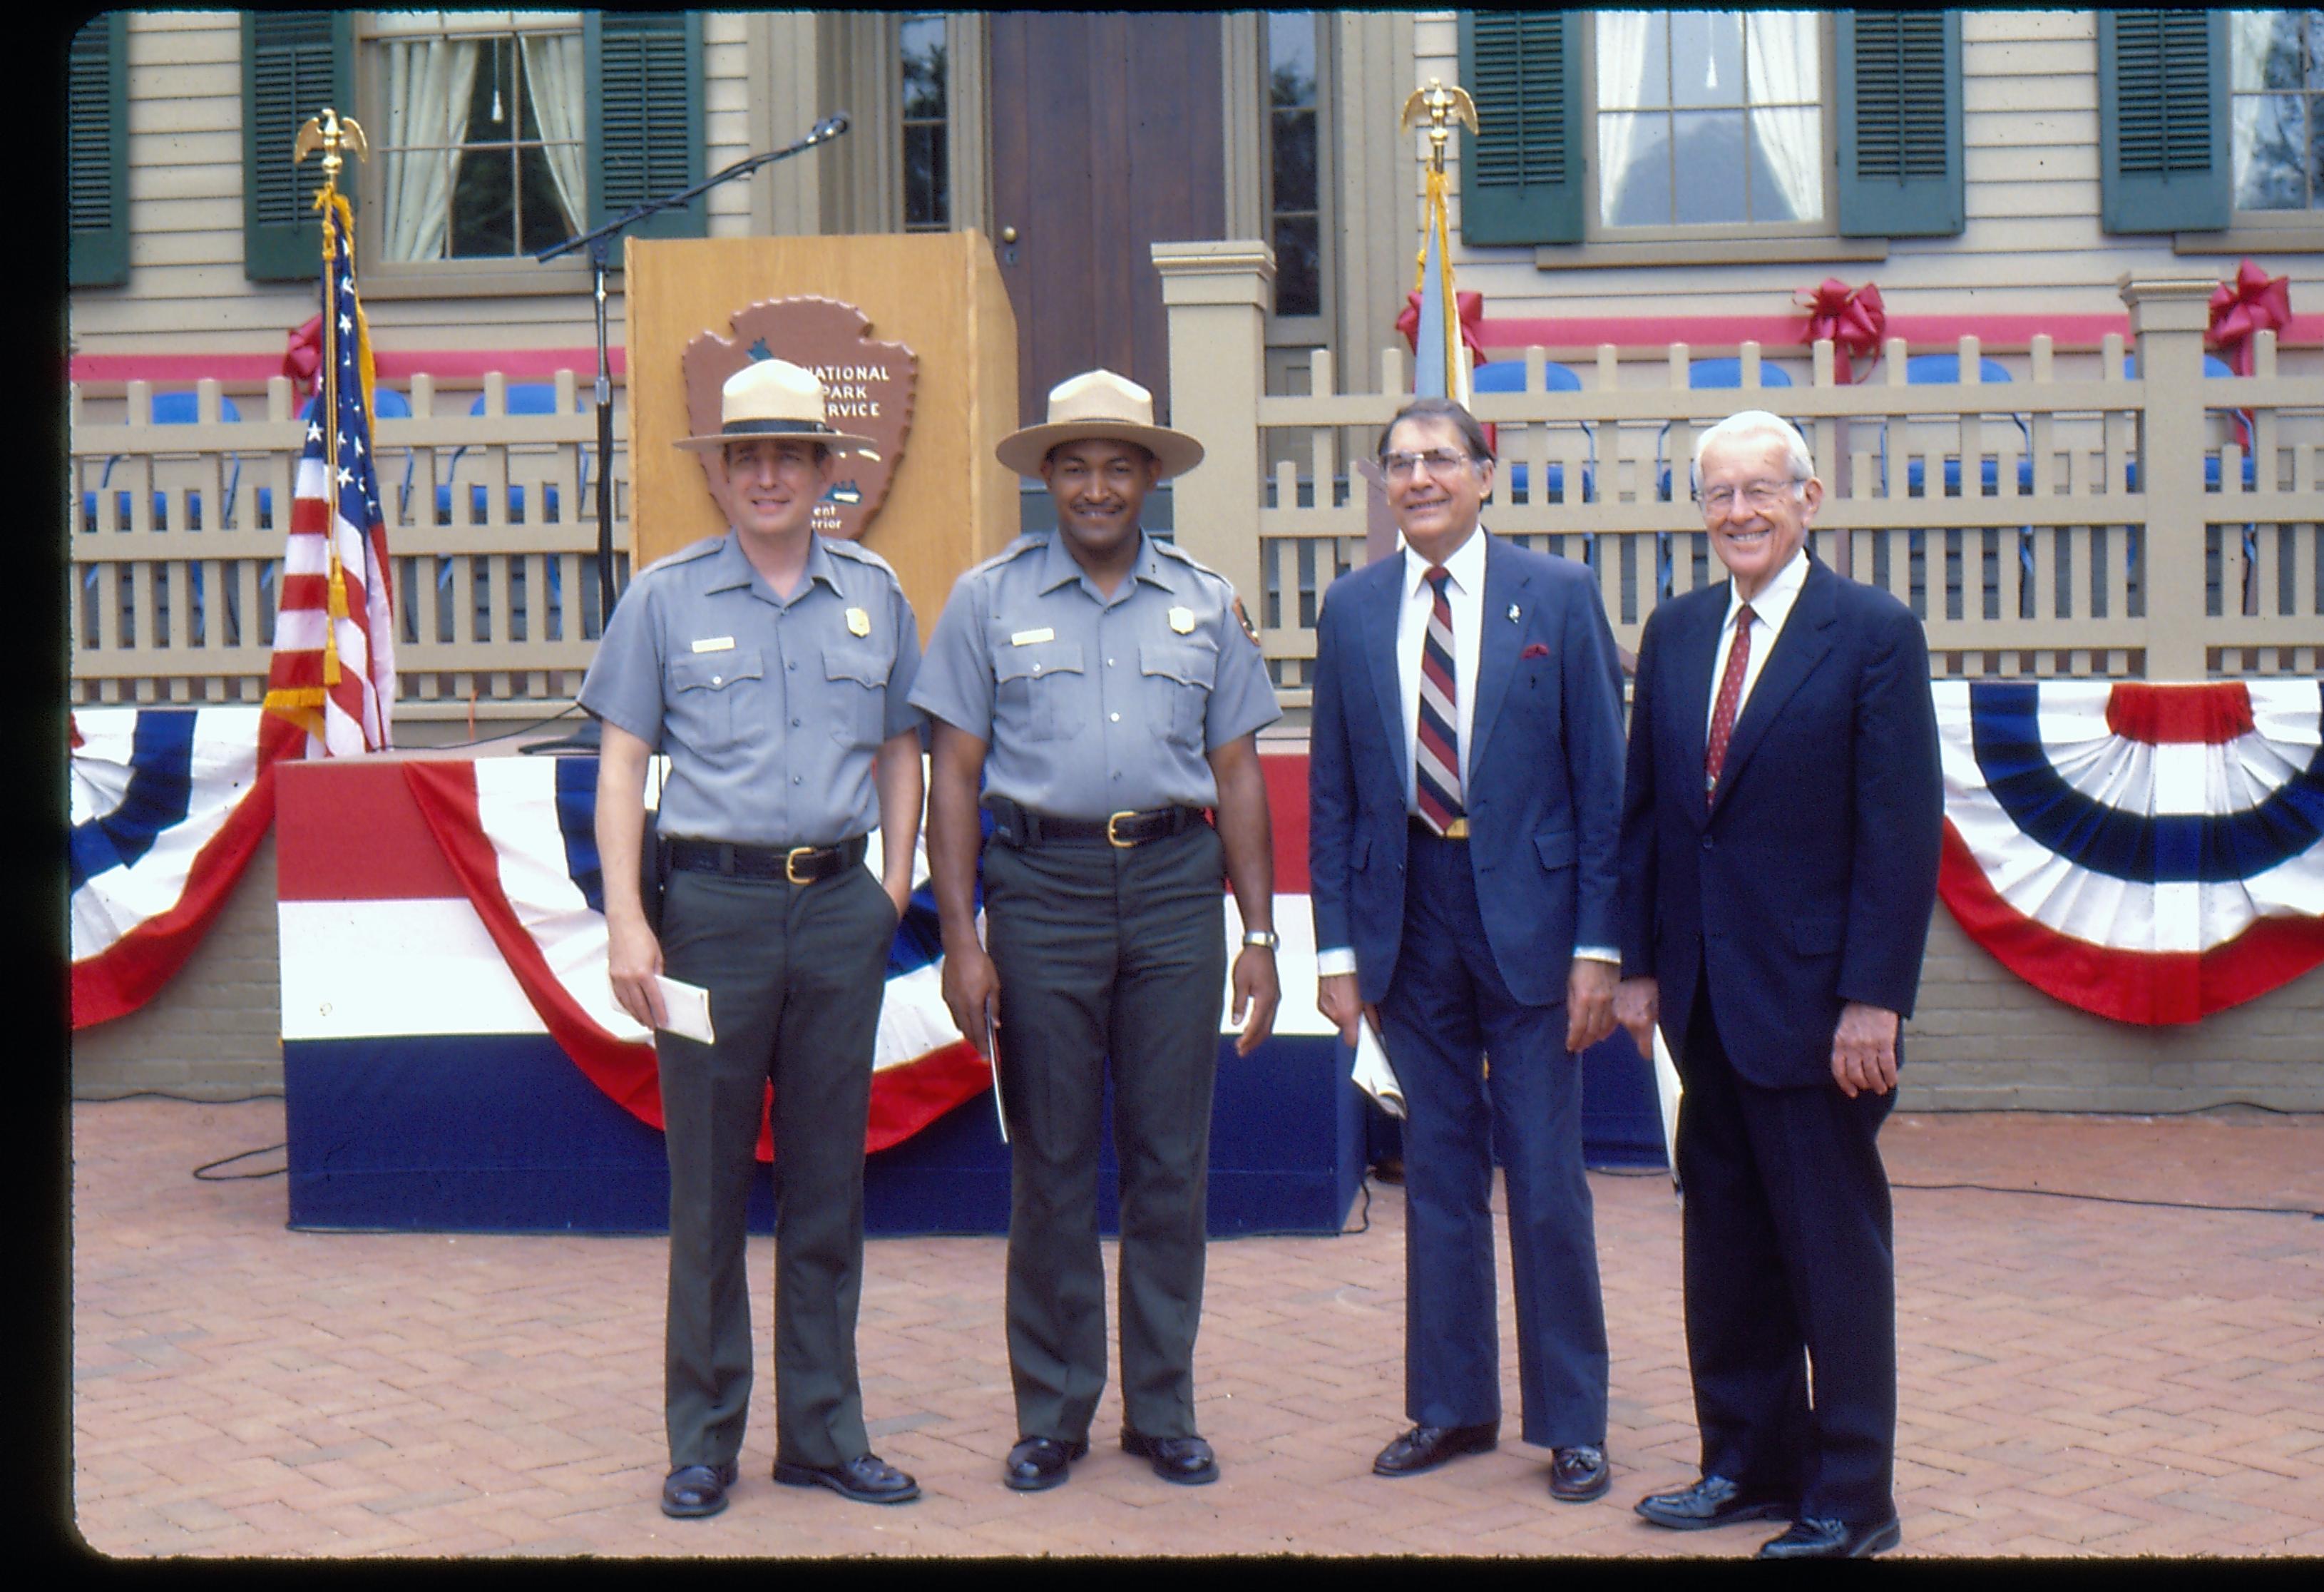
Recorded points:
(1094, 705)
(771, 711)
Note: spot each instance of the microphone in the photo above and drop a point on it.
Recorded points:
(831, 126)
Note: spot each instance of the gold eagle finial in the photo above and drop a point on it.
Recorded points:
(331, 133)
(1440, 105)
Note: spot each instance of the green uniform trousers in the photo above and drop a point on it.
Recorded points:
(795, 975)
(1104, 952)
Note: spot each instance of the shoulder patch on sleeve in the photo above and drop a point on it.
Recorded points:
(1243, 617)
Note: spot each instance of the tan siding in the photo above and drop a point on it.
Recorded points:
(2030, 128)
(725, 117)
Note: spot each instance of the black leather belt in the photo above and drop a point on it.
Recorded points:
(1021, 825)
(795, 865)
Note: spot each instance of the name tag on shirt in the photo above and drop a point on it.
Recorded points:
(1025, 638)
(716, 643)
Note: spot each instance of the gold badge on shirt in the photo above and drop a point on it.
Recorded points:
(1182, 620)
(858, 623)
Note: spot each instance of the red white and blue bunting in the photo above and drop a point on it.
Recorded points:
(2149, 853)
(520, 834)
(168, 804)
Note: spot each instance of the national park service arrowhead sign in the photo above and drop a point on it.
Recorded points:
(867, 388)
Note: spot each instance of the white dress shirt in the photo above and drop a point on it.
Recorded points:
(1464, 595)
(1769, 609)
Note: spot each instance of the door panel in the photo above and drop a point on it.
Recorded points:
(1106, 138)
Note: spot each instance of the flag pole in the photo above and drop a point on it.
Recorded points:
(332, 134)
(1442, 105)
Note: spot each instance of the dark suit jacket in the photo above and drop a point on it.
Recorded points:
(1543, 793)
(1808, 879)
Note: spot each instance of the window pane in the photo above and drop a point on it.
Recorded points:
(923, 67)
(1634, 162)
(483, 205)
(1633, 51)
(1298, 274)
(488, 112)
(2315, 155)
(2269, 153)
(1291, 58)
(1706, 58)
(2280, 64)
(545, 221)
(1295, 161)
(925, 195)
(2248, 36)
(1707, 156)
(1786, 58)
(2315, 56)
(1787, 164)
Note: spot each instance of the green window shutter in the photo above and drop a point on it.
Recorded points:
(2162, 121)
(1900, 122)
(1521, 169)
(96, 152)
(293, 64)
(645, 130)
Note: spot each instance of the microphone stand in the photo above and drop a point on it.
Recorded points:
(599, 243)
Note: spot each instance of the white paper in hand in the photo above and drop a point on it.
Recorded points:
(1372, 1073)
(687, 1007)
(1667, 1094)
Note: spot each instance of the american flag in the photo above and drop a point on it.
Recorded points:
(333, 668)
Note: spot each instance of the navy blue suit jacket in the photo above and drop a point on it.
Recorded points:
(1808, 879)
(1545, 786)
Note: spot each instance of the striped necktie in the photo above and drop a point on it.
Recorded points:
(1437, 782)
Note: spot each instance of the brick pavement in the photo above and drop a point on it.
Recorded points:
(2078, 1378)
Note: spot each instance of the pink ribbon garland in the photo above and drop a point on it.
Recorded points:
(1852, 318)
(2252, 302)
(1471, 309)
(304, 351)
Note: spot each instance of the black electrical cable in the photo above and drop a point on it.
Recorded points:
(523, 728)
(202, 1172)
(2119, 1199)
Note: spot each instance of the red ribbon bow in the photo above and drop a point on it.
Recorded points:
(1471, 309)
(304, 354)
(1852, 318)
(2254, 302)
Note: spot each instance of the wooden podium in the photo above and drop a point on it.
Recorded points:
(949, 501)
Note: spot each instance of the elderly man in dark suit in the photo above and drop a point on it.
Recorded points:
(1465, 786)
(1781, 819)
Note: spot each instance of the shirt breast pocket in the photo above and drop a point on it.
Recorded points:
(1177, 676)
(1036, 690)
(857, 697)
(715, 698)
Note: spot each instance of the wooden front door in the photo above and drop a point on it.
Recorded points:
(1105, 139)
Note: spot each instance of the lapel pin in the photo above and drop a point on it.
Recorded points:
(1513, 613)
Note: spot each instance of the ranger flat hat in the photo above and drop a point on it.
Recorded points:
(775, 398)
(1098, 404)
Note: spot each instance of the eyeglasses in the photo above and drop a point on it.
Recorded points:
(1759, 494)
(1439, 462)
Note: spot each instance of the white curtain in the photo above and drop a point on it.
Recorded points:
(429, 82)
(553, 71)
(1622, 39)
(1787, 68)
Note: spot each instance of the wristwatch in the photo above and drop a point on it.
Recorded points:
(1264, 939)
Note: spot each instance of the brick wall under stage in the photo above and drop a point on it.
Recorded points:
(216, 1030)
(1982, 1039)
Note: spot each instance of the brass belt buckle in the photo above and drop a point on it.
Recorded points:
(1114, 839)
(790, 864)
(1458, 829)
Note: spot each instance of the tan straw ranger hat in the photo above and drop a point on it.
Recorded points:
(1100, 403)
(775, 398)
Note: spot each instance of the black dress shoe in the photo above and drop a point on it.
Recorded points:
(866, 1478)
(1834, 1539)
(1424, 1447)
(1186, 1460)
(1578, 1473)
(1714, 1500)
(1037, 1464)
(691, 1491)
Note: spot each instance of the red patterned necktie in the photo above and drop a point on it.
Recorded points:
(1731, 692)
(1436, 773)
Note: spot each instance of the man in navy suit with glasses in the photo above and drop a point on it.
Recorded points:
(1465, 802)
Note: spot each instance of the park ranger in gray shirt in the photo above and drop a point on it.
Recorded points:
(771, 665)
(1105, 688)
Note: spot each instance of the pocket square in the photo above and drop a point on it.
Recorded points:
(1533, 650)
